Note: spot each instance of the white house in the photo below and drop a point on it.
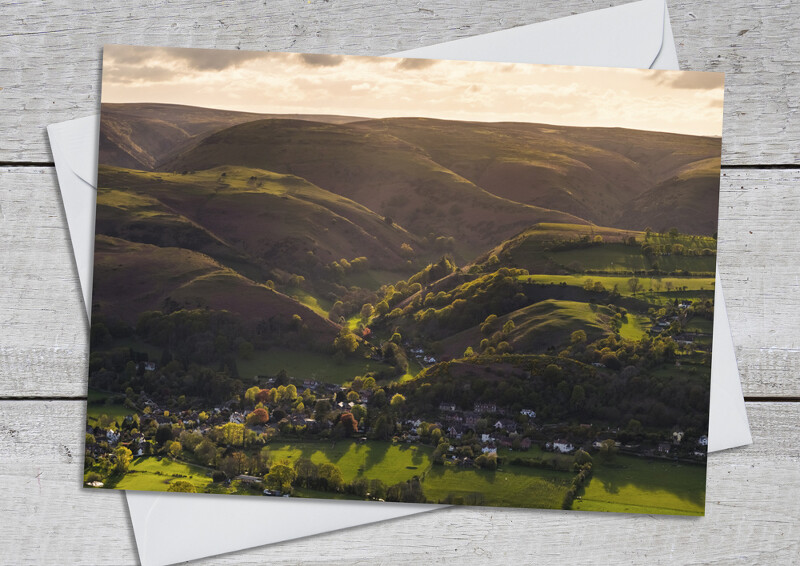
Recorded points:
(528, 413)
(237, 418)
(486, 438)
(489, 449)
(561, 446)
(113, 437)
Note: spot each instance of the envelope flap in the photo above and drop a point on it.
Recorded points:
(629, 36)
(73, 139)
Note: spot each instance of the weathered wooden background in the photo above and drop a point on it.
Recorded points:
(49, 72)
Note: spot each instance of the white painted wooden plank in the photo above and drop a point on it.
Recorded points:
(43, 350)
(50, 52)
(751, 518)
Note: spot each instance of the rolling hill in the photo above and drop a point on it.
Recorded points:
(246, 216)
(142, 135)
(593, 173)
(389, 176)
(131, 278)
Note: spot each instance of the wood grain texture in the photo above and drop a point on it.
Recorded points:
(44, 346)
(50, 52)
(751, 516)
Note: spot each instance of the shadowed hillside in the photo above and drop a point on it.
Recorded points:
(142, 135)
(131, 278)
(390, 176)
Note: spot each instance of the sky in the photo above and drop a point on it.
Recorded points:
(380, 87)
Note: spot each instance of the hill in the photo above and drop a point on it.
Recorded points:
(131, 278)
(593, 173)
(142, 135)
(687, 201)
(248, 219)
(390, 176)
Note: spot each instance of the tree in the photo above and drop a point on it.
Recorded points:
(608, 449)
(350, 424)
(397, 400)
(382, 308)
(634, 285)
(280, 477)
(406, 251)
(123, 458)
(257, 417)
(163, 433)
(578, 396)
(353, 397)
(331, 477)
(578, 336)
(321, 410)
(469, 352)
(346, 342)
(359, 412)
(366, 311)
(508, 327)
(182, 486)
(250, 394)
(175, 449)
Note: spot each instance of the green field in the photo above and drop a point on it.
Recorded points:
(627, 259)
(152, 474)
(516, 486)
(635, 327)
(638, 485)
(97, 406)
(320, 306)
(696, 287)
(390, 463)
(305, 365)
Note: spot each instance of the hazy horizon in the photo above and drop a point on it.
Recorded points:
(680, 102)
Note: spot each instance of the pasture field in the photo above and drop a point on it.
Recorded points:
(669, 288)
(390, 463)
(97, 406)
(638, 485)
(629, 259)
(509, 485)
(305, 365)
(148, 473)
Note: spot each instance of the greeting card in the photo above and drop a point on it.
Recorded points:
(403, 280)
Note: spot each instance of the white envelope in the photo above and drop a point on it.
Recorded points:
(635, 35)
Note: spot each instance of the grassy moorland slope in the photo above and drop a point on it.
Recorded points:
(131, 278)
(387, 175)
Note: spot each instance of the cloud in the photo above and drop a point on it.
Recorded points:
(703, 81)
(415, 64)
(361, 86)
(214, 59)
(690, 80)
(320, 60)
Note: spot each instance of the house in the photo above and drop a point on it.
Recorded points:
(237, 418)
(149, 366)
(505, 442)
(310, 384)
(664, 447)
(471, 419)
(429, 359)
(703, 440)
(561, 446)
(486, 438)
(112, 437)
(248, 479)
(454, 432)
(485, 407)
(677, 437)
(525, 443)
(506, 424)
(449, 407)
(490, 449)
(530, 413)
(454, 418)
(415, 423)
